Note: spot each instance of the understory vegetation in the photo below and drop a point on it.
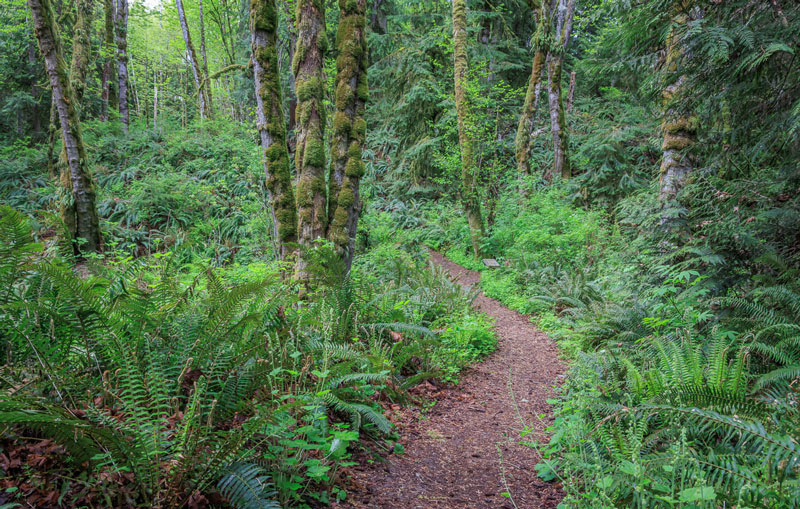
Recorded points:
(216, 290)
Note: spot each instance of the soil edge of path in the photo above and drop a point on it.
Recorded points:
(465, 452)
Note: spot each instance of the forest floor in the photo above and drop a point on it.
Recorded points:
(466, 451)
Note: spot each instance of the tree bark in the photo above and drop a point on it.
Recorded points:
(469, 194)
(562, 17)
(81, 48)
(523, 143)
(81, 214)
(108, 58)
(377, 20)
(679, 127)
(349, 127)
(207, 87)
(270, 121)
(122, 61)
(197, 72)
(571, 95)
(310, 152)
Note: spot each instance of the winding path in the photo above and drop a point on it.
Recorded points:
(466, 454)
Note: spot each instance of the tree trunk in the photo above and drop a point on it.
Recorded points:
(679, 128)
(108, 58)
(122, 61)
(562, 17)
(81, 49)
(81, 218)
(207, 83)
(523, 143)
(196, 70)
(571, 95)
(377, 20)
(557, 123)
(33, 65)
(310, 152)
(349, 127)
(469, 194)
(270, 121)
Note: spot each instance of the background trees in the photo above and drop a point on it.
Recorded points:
(652, 227)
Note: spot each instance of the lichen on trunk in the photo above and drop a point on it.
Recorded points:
(270, 121)
(81, 219)
(309, 76)
(349, 127)
(469, 192)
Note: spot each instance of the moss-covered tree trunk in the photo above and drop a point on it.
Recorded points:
(81, 48)
(523, 143)
(270, 121)
(122, 61)
(107, 87)
(469, 191)
(349, 127)
(309, 79)
(679, 127)
(562, 18)
(197, 71)
(81, 218)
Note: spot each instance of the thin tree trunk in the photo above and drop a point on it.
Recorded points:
(52, 128)
(108, 57)
(270, 122)
(469, 193)
(679, 128)
(571, 95)
(155, 100)
(35, 91)
(310, 152)
(377, 21)
(196, 70)
(81, 215)
(207, 83)
(349, 127)
(122, 61)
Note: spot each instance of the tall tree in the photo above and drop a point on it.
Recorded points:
(270, 121)
(679, 127)
(526, 135)
(349, 127)
(80, 216)
(469, 192)
(108, 58)
(207, 82)
(562, 19)
(122, 60)
(310, 152)
(81, 48)
(197, 72)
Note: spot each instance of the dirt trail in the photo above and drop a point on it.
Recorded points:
(466, 453)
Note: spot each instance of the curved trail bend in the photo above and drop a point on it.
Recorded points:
(466, 453)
